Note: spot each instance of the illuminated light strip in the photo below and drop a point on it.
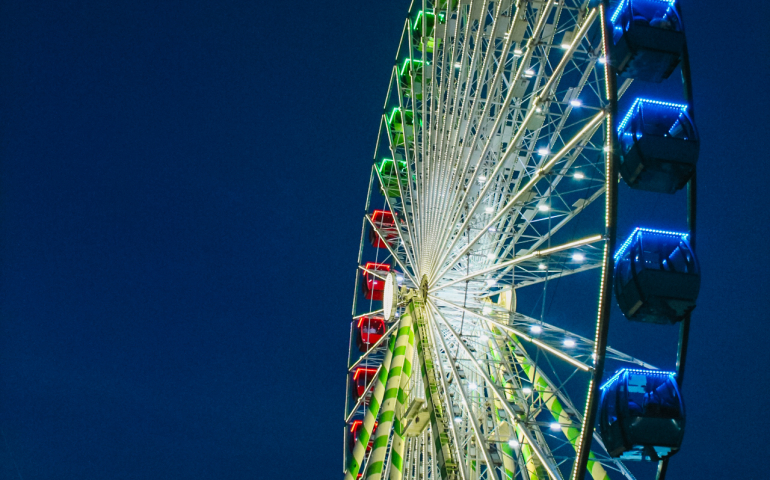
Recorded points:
(372, 272)
(381, 164)
(658, 373)
(408, 60)
(620, 7)
(519, 333)
(584, 441)
(631, 110)
(630, 238)
(393, 113)
(515, 261)
(365, 370)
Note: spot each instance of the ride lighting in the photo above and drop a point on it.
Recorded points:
(543, 151)
(482, 179)
(630, 113)
(602, 60)
(472, 386)
(492, 229)
(578, 257)
(576, 103)
(491, 282)
(543, 208)
(513, 443)
(490, 256)
(555, 427)
(458, 419)
(578, 176)
(636, 370)
(489, 210)
(536, 329)
(622, 5)
(631, 237)
(529, 72)
(569, 343)
(483, 338)
(517, 51)
(526, 390)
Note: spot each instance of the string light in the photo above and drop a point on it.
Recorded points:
(622, 7)
(657, 373)
(631, 237)
(639, 101)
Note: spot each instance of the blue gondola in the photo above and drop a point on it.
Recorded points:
(641, 415)
(657, 277)
(659, 146)
(648, 39)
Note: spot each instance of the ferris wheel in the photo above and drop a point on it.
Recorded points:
(488, 256)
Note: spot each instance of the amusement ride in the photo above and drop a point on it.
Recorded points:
(490, 256)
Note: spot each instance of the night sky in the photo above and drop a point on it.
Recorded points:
(181, 193)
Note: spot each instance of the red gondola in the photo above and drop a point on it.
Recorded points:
(361, 378)
(355, 430)
(385, 223)
(373, 286)
(368, 332)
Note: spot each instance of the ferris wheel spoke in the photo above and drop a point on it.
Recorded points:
(519, 333)
(552, 398)
(395, 80)
(471, 417)
(516, 261)
(470, 101)
(402, 191)
(406, 242)
(544, 170)
(552, 469)
(534, 107)
(435, 381)
(526, 56)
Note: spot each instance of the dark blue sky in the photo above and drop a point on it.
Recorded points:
(181, 192)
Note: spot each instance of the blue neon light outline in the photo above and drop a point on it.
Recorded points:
(659, 373)
(620, 8)
(631, 237)
(630, 113)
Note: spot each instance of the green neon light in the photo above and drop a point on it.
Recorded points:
(406, 62)
(408, 117)
(389, 162)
